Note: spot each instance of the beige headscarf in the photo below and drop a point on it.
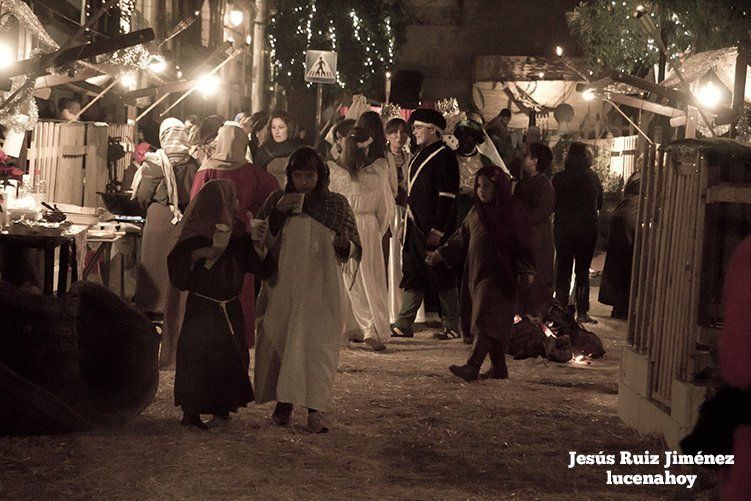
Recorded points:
(174, 141)
(231, 143)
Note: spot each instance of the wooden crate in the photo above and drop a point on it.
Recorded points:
(72, 159)
(693, 210)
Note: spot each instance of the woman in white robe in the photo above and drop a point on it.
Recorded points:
(301, 305)
(364, 180)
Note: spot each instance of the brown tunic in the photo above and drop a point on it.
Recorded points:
(485, 309)
(537, 196)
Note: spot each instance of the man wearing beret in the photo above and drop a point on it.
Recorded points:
(431, 218)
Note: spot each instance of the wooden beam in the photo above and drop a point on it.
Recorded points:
(739, 84)
(641, 104)
(157, 90)
(68, 56)
(733, 193)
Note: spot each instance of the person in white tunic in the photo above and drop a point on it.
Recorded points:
(312, 234)
(363, 177)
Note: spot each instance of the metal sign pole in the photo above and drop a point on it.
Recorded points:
(319, 105)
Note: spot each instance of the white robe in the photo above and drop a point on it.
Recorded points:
(372, 201)
(300, 318)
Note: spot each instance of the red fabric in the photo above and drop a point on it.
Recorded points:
(252, 186)
(507, 223)
(735, 364)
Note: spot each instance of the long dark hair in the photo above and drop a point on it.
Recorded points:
(353, 156)
(306, 158)
(578, 157)
(371, 123)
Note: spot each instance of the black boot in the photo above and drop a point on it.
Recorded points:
(471, 369)
(193, 419)
(498, 368)
(582, 305)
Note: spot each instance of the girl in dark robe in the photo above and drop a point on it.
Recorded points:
(211, 375)
(496, 239)
(616, 275)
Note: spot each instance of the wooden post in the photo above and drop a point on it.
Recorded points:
(739, 85)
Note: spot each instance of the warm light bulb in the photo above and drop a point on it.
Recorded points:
(709, 95)
(588, 95)
(128, 80)
(208, 85)
(236, 17)
(158, 64)
(388, 74)
(7, 56)
(559, 51)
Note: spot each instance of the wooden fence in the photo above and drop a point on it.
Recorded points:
(681, 239)
(72, 159)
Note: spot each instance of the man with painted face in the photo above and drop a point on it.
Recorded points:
(432, 186)
(469, 134)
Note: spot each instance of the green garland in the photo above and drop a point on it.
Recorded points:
(611, 37)
(365, 34)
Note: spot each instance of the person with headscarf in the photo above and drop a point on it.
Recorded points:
(282, 140)
(362, 175)
(162, 187)
(312, 236)
(578, 199)
(209, 260)
(252, 186)
(536, 194)
(203, 143)
(616, 275)
(495, 245)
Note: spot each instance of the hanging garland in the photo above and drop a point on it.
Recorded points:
(364, 35)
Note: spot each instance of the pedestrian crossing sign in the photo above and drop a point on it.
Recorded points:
(320, 66)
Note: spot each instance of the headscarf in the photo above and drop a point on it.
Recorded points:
(330, 209)
(271, 149)
(231, 143)
(174, 150)
(213, 205)
(507, 223)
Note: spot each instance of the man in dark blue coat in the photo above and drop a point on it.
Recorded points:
(431, 214)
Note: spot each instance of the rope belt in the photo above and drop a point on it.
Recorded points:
(223, 305)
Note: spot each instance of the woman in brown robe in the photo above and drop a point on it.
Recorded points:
(496, 239)
(209, 261)
(537, 196)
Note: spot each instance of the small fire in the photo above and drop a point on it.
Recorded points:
(548, 332)
(581, 359)
(517, 319)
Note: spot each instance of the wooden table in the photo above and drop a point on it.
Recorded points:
(104, 249)
(67, 259)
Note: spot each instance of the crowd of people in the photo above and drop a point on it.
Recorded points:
(253, 239)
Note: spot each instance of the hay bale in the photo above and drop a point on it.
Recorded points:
(118, 354)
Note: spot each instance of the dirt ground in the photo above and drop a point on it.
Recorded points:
(405, 428)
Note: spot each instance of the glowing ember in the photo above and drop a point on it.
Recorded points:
(517, 319)
(547, 331)
(581, 360)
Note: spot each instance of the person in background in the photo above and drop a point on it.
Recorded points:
(501, 135)
(734, 355)
(204, 142)
(495, 247)
(252, 186)
(301, 307)
(616, 275)
(537, 196)
(68, 108)
(162, 187)
(191, 125)
(398, 157)
(362, 175)
(339, 134)
(432, 186)
(578, 198)
(258, 132)
(282, 141)
(209, 260)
